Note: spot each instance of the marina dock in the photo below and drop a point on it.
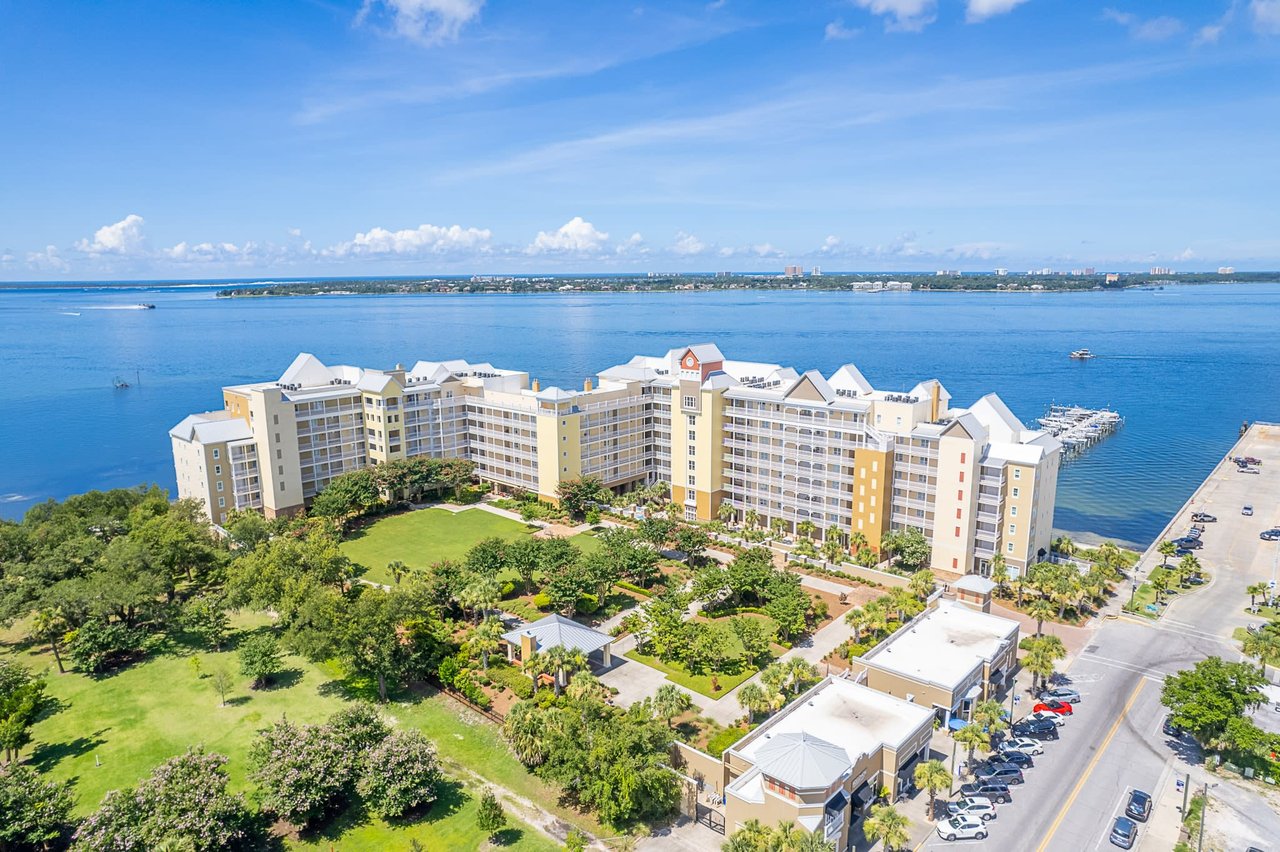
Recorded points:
(1079, 428)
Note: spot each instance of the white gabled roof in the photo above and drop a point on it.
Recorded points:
(802, 760)
(374, 382)
(306, 370)
(1001, 423)
(213, 427)
(850, 378)
(704, 352)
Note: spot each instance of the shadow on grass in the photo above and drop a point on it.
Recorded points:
(46, 756)
(238, 700)
(450, 797)
(283, 680)
(506, 837)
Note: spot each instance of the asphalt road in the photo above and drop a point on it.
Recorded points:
(1113, 742)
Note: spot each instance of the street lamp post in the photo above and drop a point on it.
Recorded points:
(1204, 816)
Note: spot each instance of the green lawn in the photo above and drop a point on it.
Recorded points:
(427, 536)
(424, 537)
(677, 673)
(111, 732)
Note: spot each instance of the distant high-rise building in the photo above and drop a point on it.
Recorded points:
(1113, 277)
(1002, 272)
(793, 271)
(1161, 270)
(816, 271)
(1226, 270)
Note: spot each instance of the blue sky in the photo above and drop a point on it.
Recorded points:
(239, 139)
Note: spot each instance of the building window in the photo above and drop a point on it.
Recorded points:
(216, 454)
(277, 419)
(957, 532)
(279, 454)
(1015, 491)
(962, 476)
(281, 486)
(692, 465)
(219, 485)
(960, 494)
(693, 451)
(1013, 528)
(281, 469)
(222, 502)
(693, 436)
(1017, 473)
(217, 470)
(957, 514)
(1010, 547)
(690, 402)
(962, 457)
(1013, 510)
(277, 437)
(692, 481)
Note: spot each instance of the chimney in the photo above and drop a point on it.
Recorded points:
(586, 386)
(537, 385)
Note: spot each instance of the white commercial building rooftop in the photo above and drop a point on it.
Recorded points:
(857, 718)
(945, 645)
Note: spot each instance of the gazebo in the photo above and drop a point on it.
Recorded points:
(557, 631)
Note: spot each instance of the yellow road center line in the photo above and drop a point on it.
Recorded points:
(1088, 770)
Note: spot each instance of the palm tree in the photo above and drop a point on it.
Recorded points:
(922, 583)
(563, 661)
(990, 715)
(932, 776)
(999, 572)
(485, 639)
(1040, 609)
(1253, 591)
(901, 601)
(1065, 591)
(857, 541)
(479, 595)
(725, 513)
(397, 570)
(1065, 546)
(1043, 652)
(670, 701)
(887, 826)
(525, 730)
(752, 697)
(1166, 549)
(1017, 584)
(1265, 646)
(752, 837)
(751, 518)
(799, 672)
(48, 624)
(857, 619)
(778, 526)
(877, 618)
(1189, 566)
(811, 842)
(806, 528)
(832, 549)
(585, 685)
(973, 737)
(535, 666)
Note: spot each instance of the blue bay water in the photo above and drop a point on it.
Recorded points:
(1185, 366)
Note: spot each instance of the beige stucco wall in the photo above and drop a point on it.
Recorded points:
(956, 502)
(872, 481)
(559, 450)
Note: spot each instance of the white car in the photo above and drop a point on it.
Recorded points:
(974, 806)
(1026, 745)
(962, 828)
(1052, 717)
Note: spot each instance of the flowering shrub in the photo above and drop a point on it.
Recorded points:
(400, 774)
(302, 772)
(184, 799)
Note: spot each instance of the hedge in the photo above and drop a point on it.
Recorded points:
(632, 587)
(513, 679)
(720, 743)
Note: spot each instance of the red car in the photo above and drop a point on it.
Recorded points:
(1059, 707)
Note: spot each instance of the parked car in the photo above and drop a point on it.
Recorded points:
(1203, 518)
(1189, 543)
(1020, 759)
(1041, 729)
(1139, 806)
(1003, 773)
(1252, 460)
(1048, 716)
(1183, 551)
(996, 792)
(1061, 693)
(1247, 469)
(1170, 729)
(962, 828)
(1246, 510)
(1269, 535)
(1053, 705)
(1193, 533)
(972, 806)
(1026, 745)
(1124, 832)
(1194, 580)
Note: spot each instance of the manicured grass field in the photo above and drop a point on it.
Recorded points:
(677, 673)
(424, 537)
(111, 732)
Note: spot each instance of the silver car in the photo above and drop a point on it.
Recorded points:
(1061, 693)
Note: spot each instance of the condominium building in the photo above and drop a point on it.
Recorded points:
(762, 439)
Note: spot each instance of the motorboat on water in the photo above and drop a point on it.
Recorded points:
(1082, 355)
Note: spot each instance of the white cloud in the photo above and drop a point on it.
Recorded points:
(633, 245)
(123, 237)
(831, 244)
(425, 21)
(576, 235)
(1145, 29)
(422, 240)
(687, 244)
(837, 31)
(980, 10)
(1266, 16)
(48, 260)
(766, 250)
(904, 15)
(207, 252)
(1209, 34)
(726, 252)
(295, 232)
(1185, 255)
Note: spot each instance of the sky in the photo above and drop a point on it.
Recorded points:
(179, 140)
